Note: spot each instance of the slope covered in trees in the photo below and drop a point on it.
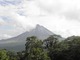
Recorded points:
(48, 49)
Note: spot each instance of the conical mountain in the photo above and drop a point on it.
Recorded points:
(18, 42)
(41, 32)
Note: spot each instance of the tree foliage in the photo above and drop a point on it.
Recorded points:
(34, 49)
(48, 49)
(3, 55)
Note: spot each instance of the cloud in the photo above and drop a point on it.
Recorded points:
(68, 8)
(9, 2)
(2, 22)
(59, 25)
(9, 20)
(5, 36)
(60, 16)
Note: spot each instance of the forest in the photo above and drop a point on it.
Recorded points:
(49, 49)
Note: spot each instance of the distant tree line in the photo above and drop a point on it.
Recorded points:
(48, 49)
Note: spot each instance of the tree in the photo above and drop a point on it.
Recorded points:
(34, 49)
(3, 55)
(74, 47)
(12, 55)
(51, 43)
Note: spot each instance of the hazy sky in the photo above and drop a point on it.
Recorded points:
(60, 16)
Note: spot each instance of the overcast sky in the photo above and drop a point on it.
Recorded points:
(59, 16)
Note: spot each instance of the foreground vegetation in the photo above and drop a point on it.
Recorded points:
(48, 49)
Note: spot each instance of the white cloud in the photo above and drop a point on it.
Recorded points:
(68, 8)
(59, 25)
(2, 22)
(59, 16)
(4, 36)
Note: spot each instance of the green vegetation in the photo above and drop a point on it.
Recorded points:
(7, 55)
(48, 49)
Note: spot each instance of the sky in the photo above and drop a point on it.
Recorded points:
(59, 16)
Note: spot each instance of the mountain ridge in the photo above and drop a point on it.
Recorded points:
(18, 42)
(36, 28)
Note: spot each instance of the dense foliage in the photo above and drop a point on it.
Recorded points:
(49, 49)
